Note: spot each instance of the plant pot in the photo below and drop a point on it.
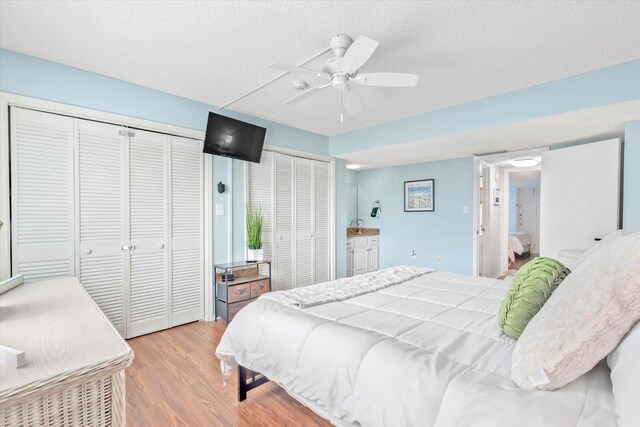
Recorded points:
(254, 254)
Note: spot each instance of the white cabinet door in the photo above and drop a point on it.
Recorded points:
(349, 262)
(360, 260)
(283, 267)
(42, 195)
(579, 196)
(304, 221)
(260, 193)
(100, 207)
(373, 258)
(186, 231)
(147, 233)
(321, 221)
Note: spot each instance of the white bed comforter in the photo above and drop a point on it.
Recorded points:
(420, 353)
(519, 242)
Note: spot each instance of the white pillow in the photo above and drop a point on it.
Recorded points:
(584, 319)
(624, 362)
(609, 237)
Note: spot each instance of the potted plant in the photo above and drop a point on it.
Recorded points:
(254, 233)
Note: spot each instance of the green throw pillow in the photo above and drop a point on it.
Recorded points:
(529, 290)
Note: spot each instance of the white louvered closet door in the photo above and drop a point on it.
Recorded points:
(321, 222)
(283, 268)
(186, 230)
(147, 233)
(304, 196)
(261, 179)
(99, 207)
(42, 195)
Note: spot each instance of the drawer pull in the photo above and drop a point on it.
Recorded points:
(261, 287)
(240, 292)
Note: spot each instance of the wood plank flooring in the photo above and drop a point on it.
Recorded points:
(175, 380)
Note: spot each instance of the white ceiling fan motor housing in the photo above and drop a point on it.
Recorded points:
(339, 44)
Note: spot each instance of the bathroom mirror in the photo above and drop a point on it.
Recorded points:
(352, 204)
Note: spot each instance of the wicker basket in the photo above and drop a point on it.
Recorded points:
(91, 394)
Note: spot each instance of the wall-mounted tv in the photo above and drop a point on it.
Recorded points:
(233, 138)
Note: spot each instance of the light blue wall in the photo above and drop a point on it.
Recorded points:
(606, 86)
(446, 232)
(631, 184)
(29, 76)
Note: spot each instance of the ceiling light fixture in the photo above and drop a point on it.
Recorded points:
(524, 163)
(352, 166)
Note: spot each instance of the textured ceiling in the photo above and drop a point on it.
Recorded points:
(215, 51)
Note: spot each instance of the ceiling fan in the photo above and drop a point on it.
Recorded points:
(341, 72)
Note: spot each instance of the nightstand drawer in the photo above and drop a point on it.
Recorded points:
(234, 308)
(260, 287)
(239, 293)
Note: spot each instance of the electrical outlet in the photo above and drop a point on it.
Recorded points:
(438, 258)
(465, 210)
(412, 254)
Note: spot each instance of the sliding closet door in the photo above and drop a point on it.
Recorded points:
(261, 179)
(146, 257)
(304, 194)
(321, 222)
(41, 195)
(186, 230)
(100, 211)
(283, 201)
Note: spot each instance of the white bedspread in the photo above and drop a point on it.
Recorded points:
(519, 242)
(349, 287)
(421, 353)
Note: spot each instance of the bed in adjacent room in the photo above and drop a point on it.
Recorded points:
(403, 346)
(519, 244)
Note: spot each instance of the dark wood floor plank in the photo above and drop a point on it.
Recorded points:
(175, 380)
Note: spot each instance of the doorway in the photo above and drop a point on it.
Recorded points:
(507, 211)
(523, 240)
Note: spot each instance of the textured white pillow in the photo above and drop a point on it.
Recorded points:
(584, 319)
(624, 362)
(609, 237)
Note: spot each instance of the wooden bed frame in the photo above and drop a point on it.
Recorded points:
(248, 380)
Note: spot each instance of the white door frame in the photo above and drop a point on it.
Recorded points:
(491, 158)
(11, 100)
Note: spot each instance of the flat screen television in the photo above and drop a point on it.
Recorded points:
(233, 138)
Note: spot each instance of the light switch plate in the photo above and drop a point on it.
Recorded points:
(219, 209)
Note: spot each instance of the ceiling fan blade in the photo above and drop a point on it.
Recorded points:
(358, 53)
(351, 100)
(299, 70)
(307, 93)
(386, 79)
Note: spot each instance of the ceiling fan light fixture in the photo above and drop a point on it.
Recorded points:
(353, 166)
(524, 163)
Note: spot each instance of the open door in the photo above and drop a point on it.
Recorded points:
(579, 196)
(484, 242)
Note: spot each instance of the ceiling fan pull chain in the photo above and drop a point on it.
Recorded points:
(342, 105)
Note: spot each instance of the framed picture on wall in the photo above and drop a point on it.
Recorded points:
(419, 196)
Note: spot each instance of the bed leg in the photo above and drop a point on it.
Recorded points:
(242, 383)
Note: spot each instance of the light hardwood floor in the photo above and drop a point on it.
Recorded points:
(175, 380)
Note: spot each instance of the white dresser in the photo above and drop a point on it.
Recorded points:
(75, 359)
(362, 254)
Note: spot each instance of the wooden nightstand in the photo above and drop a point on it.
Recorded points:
(252, 279)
